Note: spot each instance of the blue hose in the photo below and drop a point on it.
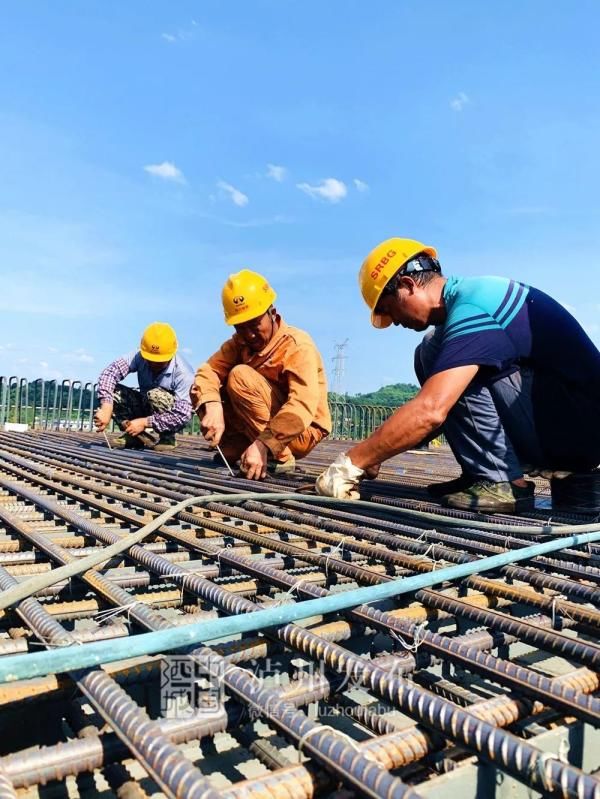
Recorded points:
(72, 658)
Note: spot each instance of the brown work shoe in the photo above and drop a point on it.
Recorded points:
(278, 468)
(485, 496)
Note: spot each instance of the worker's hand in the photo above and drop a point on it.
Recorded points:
(372, 472)
(212, 422)
(253, 462)
(341, 479)
(103, 416)
(136, 426)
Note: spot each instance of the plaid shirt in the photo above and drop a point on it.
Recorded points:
(176, 378)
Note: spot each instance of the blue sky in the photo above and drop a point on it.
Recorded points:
(150, 149)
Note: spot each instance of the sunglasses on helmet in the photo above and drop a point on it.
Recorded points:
(420, 263)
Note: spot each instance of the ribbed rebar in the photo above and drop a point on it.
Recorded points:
(368, 547)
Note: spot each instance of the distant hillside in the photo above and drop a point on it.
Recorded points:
(393, 395)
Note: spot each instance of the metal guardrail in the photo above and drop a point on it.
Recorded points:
(354, 421)
(53, 405)
(351, 420)
(47, 404)
(69, 405)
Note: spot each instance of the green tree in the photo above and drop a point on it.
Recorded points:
(390, 396)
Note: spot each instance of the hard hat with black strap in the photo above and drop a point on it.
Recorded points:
(384, 262)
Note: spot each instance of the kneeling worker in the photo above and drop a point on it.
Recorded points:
(263, 396)
(508, 373)
(161, 408)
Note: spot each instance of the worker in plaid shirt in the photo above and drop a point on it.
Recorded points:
(151, 416)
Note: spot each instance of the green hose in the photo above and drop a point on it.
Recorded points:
(73, 658)
(41, 581)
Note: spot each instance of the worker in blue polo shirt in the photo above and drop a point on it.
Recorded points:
(506, 371)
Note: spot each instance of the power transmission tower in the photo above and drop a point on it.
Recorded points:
(339, 367)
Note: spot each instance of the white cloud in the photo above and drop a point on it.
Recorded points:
(277, 219)
(181, 34)
(48, 373)
(278, 173)
(52, 264)
(330, 189)
(167, 171)
(237, 197)
(459, 102)
(187, 350)
(79, 356)
(361, 185)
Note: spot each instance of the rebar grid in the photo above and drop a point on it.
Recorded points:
(335, 723)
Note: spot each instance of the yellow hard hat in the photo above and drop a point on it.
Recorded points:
(159, 342)
(380, 266)
(245, 296)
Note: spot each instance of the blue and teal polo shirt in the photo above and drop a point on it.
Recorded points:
(501, 324)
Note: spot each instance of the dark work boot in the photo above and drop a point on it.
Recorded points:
(578, 491)
(126, 442)
(485, 496)
(148, 438)
(439, 490)
(166, 443)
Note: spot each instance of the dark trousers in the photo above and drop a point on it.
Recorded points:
(496, 428)
(129, 403)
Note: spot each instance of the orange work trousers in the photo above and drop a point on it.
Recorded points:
(250, 402)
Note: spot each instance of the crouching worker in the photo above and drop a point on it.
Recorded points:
(161, 408)
(263, 396)
(507, 372)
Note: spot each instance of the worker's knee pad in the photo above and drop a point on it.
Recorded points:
(160, 400)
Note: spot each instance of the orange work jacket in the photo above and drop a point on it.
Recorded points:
(293, 363)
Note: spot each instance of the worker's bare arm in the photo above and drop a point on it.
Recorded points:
(414, 421)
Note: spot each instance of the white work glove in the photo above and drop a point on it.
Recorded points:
(340, 480)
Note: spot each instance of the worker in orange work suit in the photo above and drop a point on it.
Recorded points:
(263, 396)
